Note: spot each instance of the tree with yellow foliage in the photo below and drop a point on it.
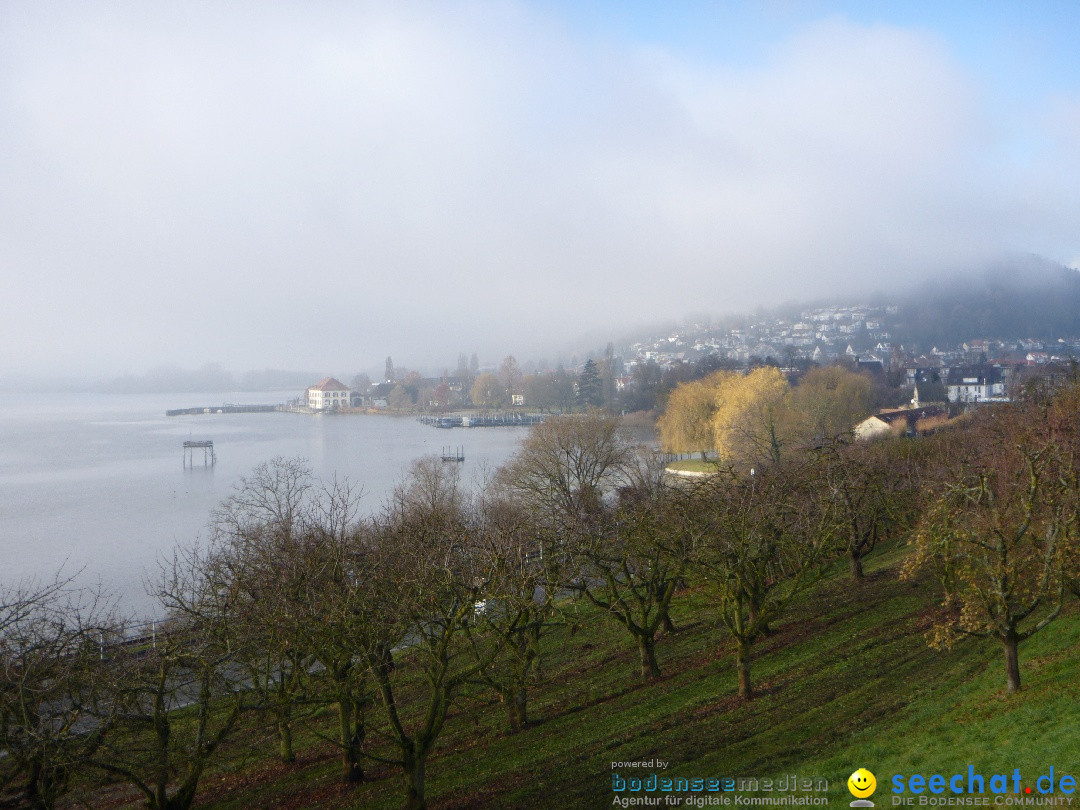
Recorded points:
(752, 420)
(828, 401)
(686, 424)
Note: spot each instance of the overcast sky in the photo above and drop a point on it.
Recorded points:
(317, 185)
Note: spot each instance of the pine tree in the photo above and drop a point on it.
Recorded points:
(590, 388)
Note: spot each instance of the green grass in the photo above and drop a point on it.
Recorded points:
(845, 681)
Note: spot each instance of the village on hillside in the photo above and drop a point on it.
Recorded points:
(638, 375)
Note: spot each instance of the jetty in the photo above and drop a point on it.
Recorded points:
(453, 454)
(485, 420)
(227, 408)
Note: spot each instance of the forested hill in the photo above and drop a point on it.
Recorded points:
(1024, 298)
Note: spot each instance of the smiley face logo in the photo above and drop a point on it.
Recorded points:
(861, 783)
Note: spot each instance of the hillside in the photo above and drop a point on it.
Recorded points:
(846, 681)
(1023, 298)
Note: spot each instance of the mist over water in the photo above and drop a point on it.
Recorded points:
(95, 485)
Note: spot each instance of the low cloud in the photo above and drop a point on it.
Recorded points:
(319, 186)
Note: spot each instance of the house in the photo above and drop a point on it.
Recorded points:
(902, 420)
(328, 394)
(975, 384)
(871, 366)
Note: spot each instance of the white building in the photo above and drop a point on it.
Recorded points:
(972, 384)
(328, 395)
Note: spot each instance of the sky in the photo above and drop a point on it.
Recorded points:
(318, 185)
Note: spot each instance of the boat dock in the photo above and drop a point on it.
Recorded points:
(485, 420)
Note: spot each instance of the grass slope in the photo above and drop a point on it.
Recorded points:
(845, 681)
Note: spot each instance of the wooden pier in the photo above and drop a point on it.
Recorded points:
(453, 454)
(209, 458)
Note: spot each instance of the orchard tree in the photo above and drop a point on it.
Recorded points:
(53, 712)
(191, 666)
(631, 566)
(519, 607)
(997, 535)
(255, 565)
(428, 581)
(760, 540)
(1063, 422)
(873, 489)
(285, 566)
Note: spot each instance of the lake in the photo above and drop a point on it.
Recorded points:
(95, 485)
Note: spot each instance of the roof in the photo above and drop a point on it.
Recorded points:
(874, 366)
(912, 415)
(329, 384)
(974, 375)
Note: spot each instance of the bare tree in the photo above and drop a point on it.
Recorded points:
(760, 539)
(289, 558)
(568, 463)
(519, 604)
(260, 540)
(51, 679)
(632, 566)
(335, 605)
(430, 581)
(873, 489)
(178, 696)
(510, 377)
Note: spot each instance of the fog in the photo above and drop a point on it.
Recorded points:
(320, 185)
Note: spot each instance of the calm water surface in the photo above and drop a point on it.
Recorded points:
(96, 483)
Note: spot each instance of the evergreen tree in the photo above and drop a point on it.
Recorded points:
(590, 387)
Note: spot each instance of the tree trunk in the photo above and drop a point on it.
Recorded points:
(285, 744)
(517, 706)
(667, 624)
(36, 797)
(1012, 661)
(182, 799)
(856, 565)
(742, 662)
(763, 628)
(415, 798)
(650, 669)
(352, 736)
